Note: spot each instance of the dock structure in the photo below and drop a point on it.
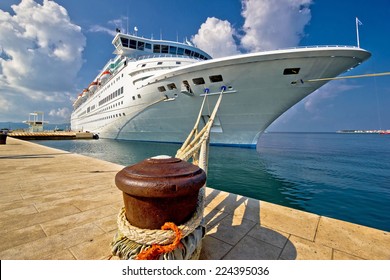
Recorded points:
(59, 205)
(52, 135)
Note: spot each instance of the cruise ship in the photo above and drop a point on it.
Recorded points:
(152, 90)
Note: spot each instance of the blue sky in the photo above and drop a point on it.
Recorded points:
(51, 50)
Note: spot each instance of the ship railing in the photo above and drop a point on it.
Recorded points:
(143, 57)
(320, 46)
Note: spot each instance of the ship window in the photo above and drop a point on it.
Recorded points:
(161, 89)
(180, 51)
(133, 97)
(198, 81)
(164, 49)
(121, 90)
(196, 54)
(172, 50)
(125, 42)
(148, 46)
(159, 63)
(187, 52)
(291, 71)
(139, 95)
(133, 44)
(216, 78)
(156, 48)
(143, 65)
(171, 86)
(187, 87)
(178, 62)
(141, 45)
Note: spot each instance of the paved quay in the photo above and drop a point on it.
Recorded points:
(63, 206)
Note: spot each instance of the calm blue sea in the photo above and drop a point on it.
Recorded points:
(344, 176)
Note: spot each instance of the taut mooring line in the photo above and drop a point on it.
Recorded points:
(347, 77)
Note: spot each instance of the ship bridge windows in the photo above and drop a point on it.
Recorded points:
(164, 48)
(198, 81)
(172, 50)
(156, 48)
(291, 71)
(187, 52)
(161, 89)
(141, 45)
(125, 42)
(133, 44)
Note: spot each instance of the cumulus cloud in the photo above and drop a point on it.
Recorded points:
(216, 37)
(268, 24)
(118, 23)
(63, 112)
(41, 52)
(102, 29)
(273, 24)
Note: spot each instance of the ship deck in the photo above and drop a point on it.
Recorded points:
(57, 205)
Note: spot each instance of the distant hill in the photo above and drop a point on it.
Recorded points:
(49, 126)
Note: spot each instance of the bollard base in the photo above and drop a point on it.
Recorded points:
(127, 245)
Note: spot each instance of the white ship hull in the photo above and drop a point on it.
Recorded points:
(258, 90)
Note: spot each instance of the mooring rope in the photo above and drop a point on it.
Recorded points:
(183, 241)
(346, 77)
(192, 148)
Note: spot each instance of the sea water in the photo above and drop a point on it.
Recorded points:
(343, 176)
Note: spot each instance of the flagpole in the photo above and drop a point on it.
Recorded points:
(357, 32)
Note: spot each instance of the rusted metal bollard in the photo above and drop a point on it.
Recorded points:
(160, 189)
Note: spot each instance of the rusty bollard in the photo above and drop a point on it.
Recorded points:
(160, 189)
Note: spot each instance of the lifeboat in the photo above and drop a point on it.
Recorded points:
(77, 101)
(92, 86)
(84, 93)
(104, 76)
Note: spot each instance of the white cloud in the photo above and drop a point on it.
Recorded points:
(273, 24)
(118, 23)
(60, 112)
(98, 28)
(269, 24)
(41, 54)
(216, 37)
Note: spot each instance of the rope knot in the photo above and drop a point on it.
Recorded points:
(153, 252)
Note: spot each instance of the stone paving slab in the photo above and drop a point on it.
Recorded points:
(59, 205)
